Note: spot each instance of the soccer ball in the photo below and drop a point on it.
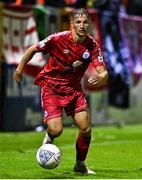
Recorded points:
(48, 156)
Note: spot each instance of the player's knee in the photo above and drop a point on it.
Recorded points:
(86, 131)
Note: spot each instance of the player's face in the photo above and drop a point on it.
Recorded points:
(81, 25)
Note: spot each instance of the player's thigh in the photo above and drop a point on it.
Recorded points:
(83, 121)
(55, 125)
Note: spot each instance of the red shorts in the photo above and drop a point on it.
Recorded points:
(54, 101)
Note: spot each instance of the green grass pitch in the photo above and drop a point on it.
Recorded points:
(115, 153)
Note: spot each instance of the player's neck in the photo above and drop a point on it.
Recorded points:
(78, 39)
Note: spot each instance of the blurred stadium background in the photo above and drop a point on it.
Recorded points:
(117, 26)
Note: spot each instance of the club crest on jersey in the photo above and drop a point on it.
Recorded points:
(77, 63)
(86, 54)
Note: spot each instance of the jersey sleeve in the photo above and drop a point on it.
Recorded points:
(97, 57)
(45, 45)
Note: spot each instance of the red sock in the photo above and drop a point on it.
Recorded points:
(82, 146)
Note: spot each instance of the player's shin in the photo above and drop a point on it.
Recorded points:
(82, 146)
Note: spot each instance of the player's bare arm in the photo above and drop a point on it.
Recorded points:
(18, 74)
(99, 79)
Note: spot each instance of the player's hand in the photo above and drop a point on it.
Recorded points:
(98, 79)
(93, 79)
(18, 76)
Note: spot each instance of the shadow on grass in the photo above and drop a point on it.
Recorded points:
(67, 175)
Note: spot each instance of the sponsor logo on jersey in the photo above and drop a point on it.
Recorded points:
(86, 54)
(77, 63)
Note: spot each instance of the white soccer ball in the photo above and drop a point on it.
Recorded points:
(48, 156)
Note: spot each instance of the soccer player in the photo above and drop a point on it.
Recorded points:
(70, 53)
